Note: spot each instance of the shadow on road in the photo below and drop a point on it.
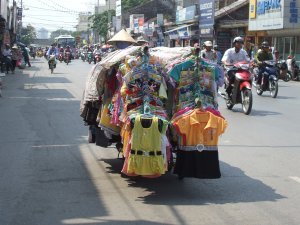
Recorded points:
(233, 187)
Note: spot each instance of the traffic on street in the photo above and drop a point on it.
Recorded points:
(50, 174)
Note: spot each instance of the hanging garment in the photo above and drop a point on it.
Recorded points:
(198, 149)
(146, 157)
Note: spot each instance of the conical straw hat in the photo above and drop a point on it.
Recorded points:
(122, 35)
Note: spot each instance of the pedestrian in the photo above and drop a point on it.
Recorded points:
(208, 53)
(25, 54)
(7, 57)
(14, 57)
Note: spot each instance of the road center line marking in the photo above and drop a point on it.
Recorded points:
(297, 179)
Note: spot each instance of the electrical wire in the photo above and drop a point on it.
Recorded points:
(51, 20)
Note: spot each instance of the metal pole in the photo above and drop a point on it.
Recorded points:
(20, 25)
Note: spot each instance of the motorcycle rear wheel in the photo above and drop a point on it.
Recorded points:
(247, 101)
(288, 77)
(273, 88)
(259, 91)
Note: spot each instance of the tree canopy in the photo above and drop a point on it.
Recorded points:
(28, 34)
(100, 22)
(128, 4)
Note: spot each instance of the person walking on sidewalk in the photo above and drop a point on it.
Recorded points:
(14, 57)
(7, 57)
(25, 54)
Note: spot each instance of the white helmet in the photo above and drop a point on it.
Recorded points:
(238, 39)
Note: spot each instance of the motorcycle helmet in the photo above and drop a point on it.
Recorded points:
(265, 44)
(238, 39)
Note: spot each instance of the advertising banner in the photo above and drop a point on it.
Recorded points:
(207, 17)
(118, 8)
(207, 13)
(185, 14)
(137, 23)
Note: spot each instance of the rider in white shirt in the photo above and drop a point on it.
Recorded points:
(232, 56)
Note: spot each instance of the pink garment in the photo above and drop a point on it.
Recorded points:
(215, 112)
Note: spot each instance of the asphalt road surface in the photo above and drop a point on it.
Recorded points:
(50, 175)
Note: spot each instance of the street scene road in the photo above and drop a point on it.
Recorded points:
(50, 175)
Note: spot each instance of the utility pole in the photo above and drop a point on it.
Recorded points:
(20, 23)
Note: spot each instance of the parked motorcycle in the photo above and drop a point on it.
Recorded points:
(67, 57)
(241, 87)
(282, 71)
(269, 81)
(296, 73)
(89, 57)
(52, 63)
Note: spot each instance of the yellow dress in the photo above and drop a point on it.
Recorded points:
(146, 157)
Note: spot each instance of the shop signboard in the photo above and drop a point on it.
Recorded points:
(183, 33)
(185, 14)
(274, 14)
(206, 17)
(160, 19)
(118, 8)
(136, 23)
(19, 13)
(266, 14)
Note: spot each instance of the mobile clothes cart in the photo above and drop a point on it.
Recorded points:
(160, 108)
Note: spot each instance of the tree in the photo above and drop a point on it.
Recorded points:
(100, 22)
(28, 34)
(128, 4)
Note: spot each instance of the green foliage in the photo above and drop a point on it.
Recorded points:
(100, 22)
(28, 34)
(128, 4)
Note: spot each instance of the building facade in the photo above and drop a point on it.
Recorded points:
(280, 22)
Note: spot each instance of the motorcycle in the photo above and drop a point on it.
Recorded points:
(89, 57)
(269, 80)
(32, 54)
(83, 56)
(97, 58)
(61, 57)
(40, 53)
(282, 71)
(52, 63)
(67, 57)
(296, 74)
(241, 87)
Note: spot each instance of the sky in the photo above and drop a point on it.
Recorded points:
(55, 14)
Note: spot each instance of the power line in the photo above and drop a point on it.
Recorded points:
(55, 10)
(51, 20)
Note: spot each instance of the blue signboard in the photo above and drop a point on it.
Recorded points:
(207, 13)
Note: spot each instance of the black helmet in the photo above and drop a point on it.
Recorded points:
(265, 44)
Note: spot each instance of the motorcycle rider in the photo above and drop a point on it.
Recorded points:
(52, 51)
(262, 55)
(97, 51)
(68, 49)
(232, 56)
